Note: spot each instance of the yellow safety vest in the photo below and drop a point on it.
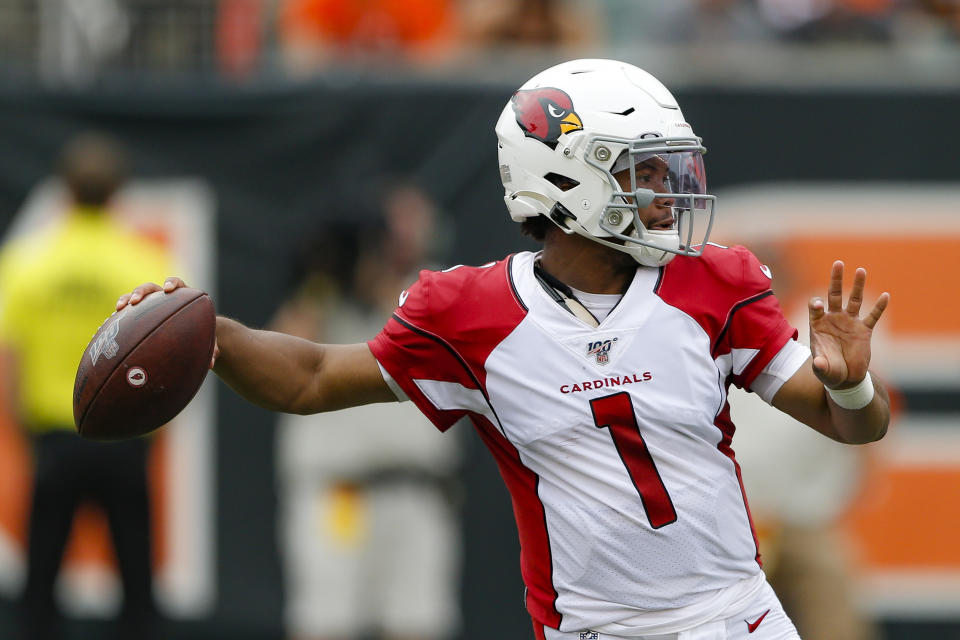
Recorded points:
(57, 286)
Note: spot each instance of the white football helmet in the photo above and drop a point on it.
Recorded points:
(569, 129)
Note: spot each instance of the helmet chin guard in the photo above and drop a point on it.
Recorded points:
(601, 148)
(659, 249)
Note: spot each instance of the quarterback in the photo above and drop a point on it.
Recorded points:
(596, 370)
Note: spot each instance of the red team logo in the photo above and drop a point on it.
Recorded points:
(136, 377)
(545, 114)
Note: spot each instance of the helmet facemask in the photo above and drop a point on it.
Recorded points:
(659, 170)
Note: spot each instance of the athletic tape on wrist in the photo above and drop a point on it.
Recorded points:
(855, 397)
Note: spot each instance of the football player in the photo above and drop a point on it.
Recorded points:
(596, 370)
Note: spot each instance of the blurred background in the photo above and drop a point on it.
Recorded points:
(255, 127)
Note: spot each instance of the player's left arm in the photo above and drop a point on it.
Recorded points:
(840, 346)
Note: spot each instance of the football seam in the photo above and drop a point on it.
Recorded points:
(96, 394)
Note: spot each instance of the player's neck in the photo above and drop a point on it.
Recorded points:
(586, 265)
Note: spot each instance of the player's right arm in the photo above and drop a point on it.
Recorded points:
(285, 373)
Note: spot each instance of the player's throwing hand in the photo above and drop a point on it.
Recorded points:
(839, 337)
(170, 285)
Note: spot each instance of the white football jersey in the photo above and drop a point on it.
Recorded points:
(614, 441)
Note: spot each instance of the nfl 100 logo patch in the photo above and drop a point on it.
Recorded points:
(600, 349)
(589, 635)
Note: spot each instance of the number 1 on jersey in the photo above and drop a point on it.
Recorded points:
(616, 413)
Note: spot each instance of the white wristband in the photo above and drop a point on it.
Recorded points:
(855, 397)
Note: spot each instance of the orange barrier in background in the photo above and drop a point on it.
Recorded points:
(918, 271)
(906, 516)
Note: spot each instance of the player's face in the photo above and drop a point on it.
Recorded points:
(653, 174)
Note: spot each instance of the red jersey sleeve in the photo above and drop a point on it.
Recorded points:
(727, 291)
(438, 339)
(755, 323)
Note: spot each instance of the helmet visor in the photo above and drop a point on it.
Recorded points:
(687, 176)
(679, 175)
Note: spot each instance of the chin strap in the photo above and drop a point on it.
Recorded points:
(563, 295)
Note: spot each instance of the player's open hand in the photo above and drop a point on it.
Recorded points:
(170, 284)
(839, 337)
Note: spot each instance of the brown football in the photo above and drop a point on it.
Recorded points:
(144, 365)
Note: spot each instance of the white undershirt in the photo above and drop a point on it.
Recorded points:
(599, 304)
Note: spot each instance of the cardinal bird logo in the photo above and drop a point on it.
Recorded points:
(136, 377)
(545, 114)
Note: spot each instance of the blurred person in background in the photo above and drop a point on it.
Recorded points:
(54, 284)
(930, 21)
(18, 31)
(529, 24)
(76, 41)
(749, 22)
(831, 20)
(368, 521)
(687, 21)
(315, 34)
(596, 370)
(800, 485)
